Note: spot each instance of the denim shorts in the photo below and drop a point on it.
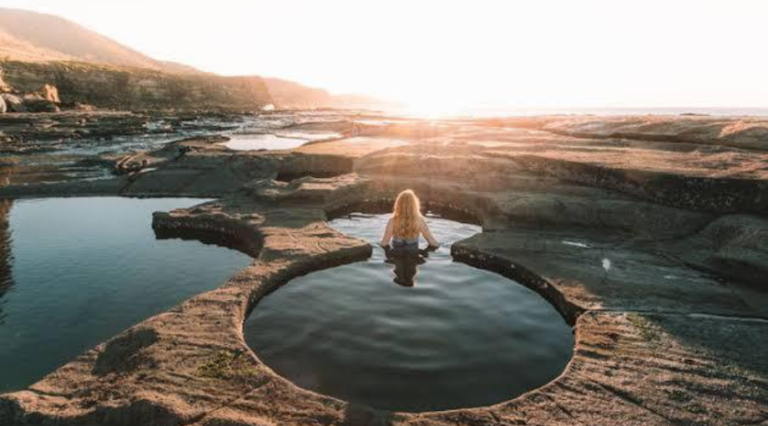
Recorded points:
(405, 244)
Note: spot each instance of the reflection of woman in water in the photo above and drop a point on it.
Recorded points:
(406, 263)
(403, 231)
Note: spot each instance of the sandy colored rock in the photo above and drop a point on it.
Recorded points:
(739, 132)
(648, 234)
(354, 146)
(50, 93)
(13, 103)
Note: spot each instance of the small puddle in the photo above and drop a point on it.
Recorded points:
(411, 333)
(262, 142)
(276, 141)
(310, 136)
(77, 271)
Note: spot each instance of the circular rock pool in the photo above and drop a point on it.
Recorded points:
(410, 333)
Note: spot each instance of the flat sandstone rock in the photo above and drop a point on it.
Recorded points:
(648, 234)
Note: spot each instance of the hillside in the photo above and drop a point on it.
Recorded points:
(91, 68)
(87, 67)
(31, 36)
(289, 94)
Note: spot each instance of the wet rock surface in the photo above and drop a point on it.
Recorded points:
(647, 233)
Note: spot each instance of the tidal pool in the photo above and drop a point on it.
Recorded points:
(77, 271)
(278, 139)
(410, 333)
(263, 141)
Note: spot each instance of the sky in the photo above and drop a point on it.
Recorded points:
(454, 53)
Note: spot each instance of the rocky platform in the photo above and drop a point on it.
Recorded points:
(648, 234)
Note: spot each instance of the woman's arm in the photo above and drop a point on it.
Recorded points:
(428, 234)
(387, 234)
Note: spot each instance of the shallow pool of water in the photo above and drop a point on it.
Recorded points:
(261, 142)
(310, 136)
(280, 139)
(77, 271)
(410, 333)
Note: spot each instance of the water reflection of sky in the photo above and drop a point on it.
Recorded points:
(77, 271)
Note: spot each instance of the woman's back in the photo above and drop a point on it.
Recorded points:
(403, 241)
(407, 224)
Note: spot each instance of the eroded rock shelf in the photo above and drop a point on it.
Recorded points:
(649, 235)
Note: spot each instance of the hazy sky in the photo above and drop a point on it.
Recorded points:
(445, 54)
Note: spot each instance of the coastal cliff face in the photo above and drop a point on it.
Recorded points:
(128, 88)
(88, 68)
(38, 49)
(292, 95)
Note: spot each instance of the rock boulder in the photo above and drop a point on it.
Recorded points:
(37, 103)
(4, 87)
(13, 103)
(50, 93)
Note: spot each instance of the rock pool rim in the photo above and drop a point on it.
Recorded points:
(227, 235)
(518, 274)
(231, 234)
(467, 255)
(231, 231)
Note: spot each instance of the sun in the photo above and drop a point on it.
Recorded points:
(434, 106)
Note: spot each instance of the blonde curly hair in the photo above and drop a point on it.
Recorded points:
(406, 216)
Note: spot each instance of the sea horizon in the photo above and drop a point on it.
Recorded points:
(490, 112)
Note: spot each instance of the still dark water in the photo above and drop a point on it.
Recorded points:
(373, 333)
(76, 271)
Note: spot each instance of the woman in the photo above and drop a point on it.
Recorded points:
(407, 224)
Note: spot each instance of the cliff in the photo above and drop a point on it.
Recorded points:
(129, 88)
(289, 94)
(88, 67)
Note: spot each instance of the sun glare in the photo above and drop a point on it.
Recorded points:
(440, 57)
(432, 107)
